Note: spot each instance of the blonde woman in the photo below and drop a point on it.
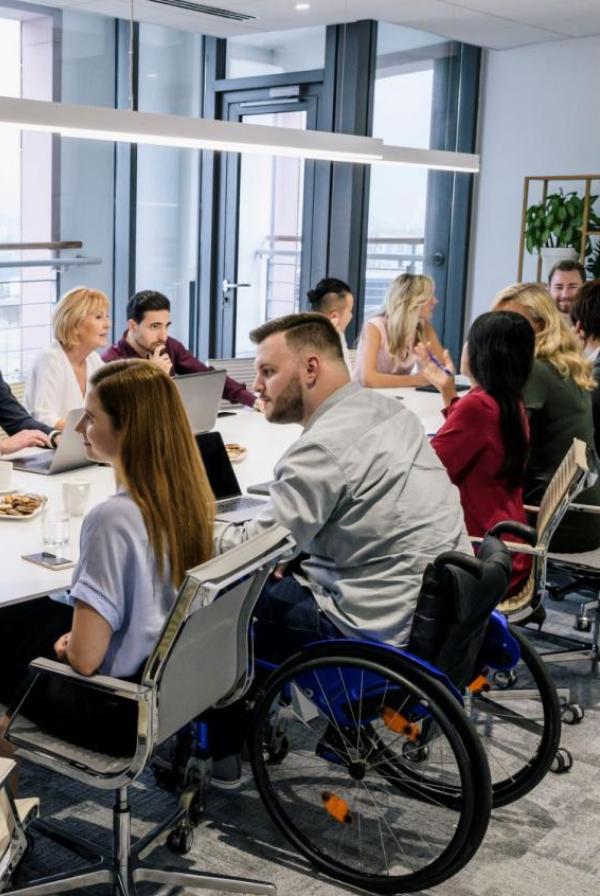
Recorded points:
(557, 397)
(60, 375)
(385, 355)
(135, 549)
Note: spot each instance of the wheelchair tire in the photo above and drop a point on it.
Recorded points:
(520, 734)
(335, 796)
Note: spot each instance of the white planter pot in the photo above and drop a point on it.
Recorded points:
(550, 257)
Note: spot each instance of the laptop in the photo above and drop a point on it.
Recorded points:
(201, 394)
(232, 506)
(69, 453)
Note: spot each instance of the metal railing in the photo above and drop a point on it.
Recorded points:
(386, 258)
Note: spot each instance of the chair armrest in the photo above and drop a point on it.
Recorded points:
(511, 527)
(515, 547)
(584, 508)
(100, 682)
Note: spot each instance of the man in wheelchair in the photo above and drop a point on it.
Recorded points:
(361, 491)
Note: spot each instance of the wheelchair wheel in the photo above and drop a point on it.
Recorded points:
(338, 796)
(518, 726)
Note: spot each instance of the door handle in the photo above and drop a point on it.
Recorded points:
(226, 286)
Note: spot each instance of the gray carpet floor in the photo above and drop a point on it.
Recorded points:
(547, 844)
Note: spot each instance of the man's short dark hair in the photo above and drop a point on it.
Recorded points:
(146, 300)
(328, 294)
(586, 309)
(308, 328)
(567, 265)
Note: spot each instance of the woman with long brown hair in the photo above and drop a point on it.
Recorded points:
(557, 397)
(135, 549)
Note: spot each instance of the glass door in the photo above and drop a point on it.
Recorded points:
(264, 204)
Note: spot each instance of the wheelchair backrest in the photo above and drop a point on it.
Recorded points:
(457, 597)
(204, 655)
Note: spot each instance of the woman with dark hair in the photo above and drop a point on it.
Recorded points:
(485, 439)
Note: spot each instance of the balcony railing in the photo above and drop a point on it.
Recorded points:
(386, 258)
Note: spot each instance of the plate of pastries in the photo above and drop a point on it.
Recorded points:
(20, 506)
(235, 452)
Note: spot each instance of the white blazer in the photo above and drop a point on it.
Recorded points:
(52, 389)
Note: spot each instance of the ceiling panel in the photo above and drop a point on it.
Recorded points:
(498, 24)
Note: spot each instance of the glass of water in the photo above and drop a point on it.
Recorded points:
(55, 527)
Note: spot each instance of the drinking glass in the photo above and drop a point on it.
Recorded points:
(55, 527)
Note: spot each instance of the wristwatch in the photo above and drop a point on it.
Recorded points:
(53, 436)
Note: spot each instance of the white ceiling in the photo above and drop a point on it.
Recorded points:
(497, 24)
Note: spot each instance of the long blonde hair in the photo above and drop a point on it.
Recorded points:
(405, 297)
(158, 462)
(555, 342)
(71, 309)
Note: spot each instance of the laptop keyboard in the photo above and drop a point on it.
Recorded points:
(237, 504)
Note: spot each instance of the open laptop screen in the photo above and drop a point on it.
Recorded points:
(221, 476)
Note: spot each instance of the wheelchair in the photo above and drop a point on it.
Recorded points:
(382, 768)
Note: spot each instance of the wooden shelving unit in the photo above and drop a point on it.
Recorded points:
(586, 180)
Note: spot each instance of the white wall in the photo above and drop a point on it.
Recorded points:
(540, 114)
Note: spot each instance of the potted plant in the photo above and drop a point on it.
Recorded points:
(593, 265)
(553, 227)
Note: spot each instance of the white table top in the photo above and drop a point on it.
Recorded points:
(266, 443)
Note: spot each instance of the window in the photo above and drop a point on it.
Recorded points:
(170, 80)
(404, 108)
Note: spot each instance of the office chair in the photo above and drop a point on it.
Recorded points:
(202, 658)
(572, 476)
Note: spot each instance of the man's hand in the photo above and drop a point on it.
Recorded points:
(27, 438)
(161, 360)
(60, 647)
(259, 406)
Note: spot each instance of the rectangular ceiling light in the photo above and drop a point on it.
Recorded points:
(435, 159)
(123, 126)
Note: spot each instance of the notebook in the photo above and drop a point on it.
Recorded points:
(69, 453)
(232, 506)
(201, 395)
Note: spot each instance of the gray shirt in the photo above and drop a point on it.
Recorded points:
(366, 496)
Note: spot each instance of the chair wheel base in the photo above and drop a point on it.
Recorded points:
(562, 762)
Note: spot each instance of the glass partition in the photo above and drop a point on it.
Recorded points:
(273, 52)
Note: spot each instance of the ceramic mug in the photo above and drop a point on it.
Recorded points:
(75, 496)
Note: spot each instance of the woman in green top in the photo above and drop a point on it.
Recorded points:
(558, 400)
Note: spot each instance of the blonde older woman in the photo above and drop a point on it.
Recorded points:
(385, 356)
(557, 397)
(60, 375)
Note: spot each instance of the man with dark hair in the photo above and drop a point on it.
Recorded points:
(334, 299)
(23, 430)
(565, 280)
(585, 316)
(147, 336)
(361, 491)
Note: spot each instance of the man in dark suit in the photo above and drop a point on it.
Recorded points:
(23, 430)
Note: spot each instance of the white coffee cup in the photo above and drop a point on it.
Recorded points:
(6, 469)
(75, 496)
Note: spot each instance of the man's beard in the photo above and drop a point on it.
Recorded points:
(289, 406)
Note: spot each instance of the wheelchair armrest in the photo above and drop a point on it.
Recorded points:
(511, 527)
(104, 683)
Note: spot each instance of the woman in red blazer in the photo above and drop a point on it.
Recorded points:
(484, 441)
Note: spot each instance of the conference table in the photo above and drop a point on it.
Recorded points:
(21, 580)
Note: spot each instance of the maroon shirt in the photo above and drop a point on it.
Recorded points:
(471, 447)
(183, 362)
